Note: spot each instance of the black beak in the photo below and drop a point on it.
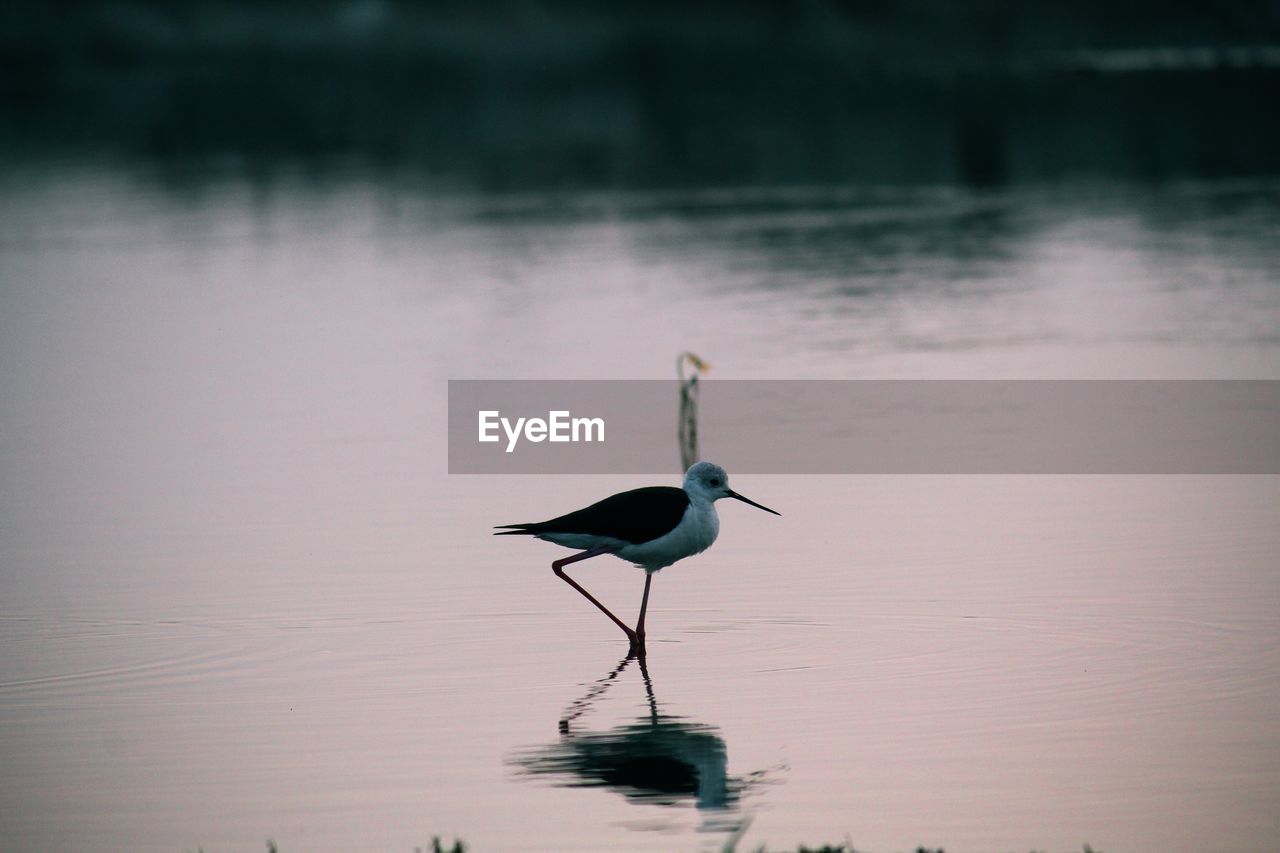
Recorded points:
(734, 494)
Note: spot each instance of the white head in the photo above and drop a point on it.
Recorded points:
(709, 482)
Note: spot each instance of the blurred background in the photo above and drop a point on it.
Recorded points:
(502, 95)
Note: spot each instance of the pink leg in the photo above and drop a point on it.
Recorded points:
(558, 568)
(644, 605)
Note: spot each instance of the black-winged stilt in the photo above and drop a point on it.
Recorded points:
(651, 527)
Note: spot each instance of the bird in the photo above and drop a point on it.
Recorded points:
(650, 527)
(689, 406)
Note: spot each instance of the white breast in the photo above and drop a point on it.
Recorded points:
(694, 534)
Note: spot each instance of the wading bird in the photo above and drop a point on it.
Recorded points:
(651, 528)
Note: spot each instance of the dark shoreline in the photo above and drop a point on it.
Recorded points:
(555, 95)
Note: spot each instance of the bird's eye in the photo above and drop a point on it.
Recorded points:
(715, 481)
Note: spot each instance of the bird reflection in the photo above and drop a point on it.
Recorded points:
(657, 759)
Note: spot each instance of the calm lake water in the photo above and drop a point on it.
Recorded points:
(241, 599)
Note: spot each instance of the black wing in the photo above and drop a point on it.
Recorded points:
(635, 516)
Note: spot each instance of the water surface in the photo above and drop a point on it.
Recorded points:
(241, 599)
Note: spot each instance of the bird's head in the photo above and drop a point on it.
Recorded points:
(709, 481)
